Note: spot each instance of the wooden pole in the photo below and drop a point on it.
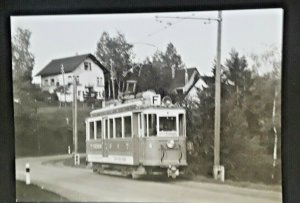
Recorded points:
(64, 85)
(74, 109)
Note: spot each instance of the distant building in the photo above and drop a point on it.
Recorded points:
(89, 72)
(182, 81)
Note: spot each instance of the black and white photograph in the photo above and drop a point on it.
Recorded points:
(148, 107)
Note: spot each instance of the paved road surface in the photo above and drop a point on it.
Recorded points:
(81, 184)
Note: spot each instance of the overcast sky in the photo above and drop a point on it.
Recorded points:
(247, 31)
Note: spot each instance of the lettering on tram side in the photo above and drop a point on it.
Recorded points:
(96, 146)
(119, 158)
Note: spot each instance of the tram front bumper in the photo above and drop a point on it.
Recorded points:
(172, 171)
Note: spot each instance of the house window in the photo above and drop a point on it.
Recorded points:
(130, 86)
(77, 80)
(57, 84)
(87, 66)
(52, 82)
(79, 93)
(69, 79)
(99, 81)
(46, 82)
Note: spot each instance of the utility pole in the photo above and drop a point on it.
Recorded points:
(64, 85)
(218, 170)
(75, 136)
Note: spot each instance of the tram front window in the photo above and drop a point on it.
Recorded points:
(167, 124)
(152, 124)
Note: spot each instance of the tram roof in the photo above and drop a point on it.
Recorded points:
(133, 107)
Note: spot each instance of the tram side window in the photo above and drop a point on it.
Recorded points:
(92, 130)
(167, 123)
(145, 125)
(111, 128)
(118, 128)
(127, 127)
(99, 129)
(106, 129)
(181, 125)
(152, 124)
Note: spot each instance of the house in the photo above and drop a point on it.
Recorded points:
(58, 75)
(184, 80)
(181, 82)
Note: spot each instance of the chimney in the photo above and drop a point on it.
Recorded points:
(186, 76)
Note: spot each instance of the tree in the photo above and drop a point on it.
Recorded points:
(25, 105)
(22, 58)
(170, 58)
(238, 75)
(22, 64)
(160, 69)
(247, 135)
(115, 53)
(270, 89)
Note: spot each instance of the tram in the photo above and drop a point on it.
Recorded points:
(145, 136)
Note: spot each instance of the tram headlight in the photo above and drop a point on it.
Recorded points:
(170, 144)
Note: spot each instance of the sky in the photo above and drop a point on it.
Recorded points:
(246, 31)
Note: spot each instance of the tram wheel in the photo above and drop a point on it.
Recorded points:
(134, 176)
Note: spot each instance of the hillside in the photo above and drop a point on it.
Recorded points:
(50, 133)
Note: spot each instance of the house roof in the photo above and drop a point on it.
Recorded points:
(69, 63)
(179, 79)
(177, 82)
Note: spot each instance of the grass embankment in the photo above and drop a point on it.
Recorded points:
(33, 193)
(50, 134)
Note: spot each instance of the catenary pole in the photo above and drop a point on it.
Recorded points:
(217, 125)
(218, 170)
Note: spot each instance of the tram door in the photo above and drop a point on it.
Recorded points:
(105, 138)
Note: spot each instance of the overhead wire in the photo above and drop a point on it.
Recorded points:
(167, 26)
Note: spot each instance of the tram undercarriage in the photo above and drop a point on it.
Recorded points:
(137, 171)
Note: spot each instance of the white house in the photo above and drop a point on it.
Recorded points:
(59, 73)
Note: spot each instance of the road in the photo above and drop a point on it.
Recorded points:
(81, 184)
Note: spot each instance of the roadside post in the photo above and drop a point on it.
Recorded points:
(69, 150)
(27, 173)
(77, 159)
